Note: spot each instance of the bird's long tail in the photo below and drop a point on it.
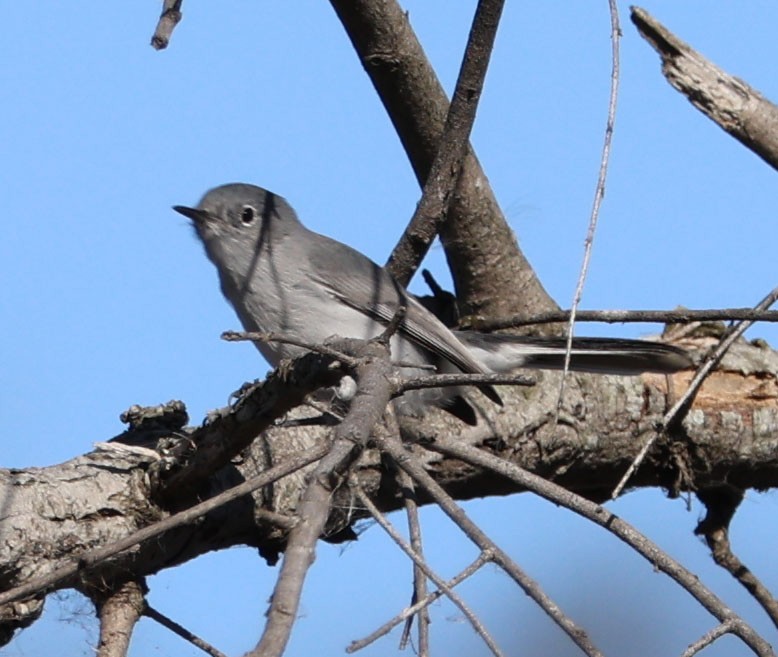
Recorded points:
(500, 352)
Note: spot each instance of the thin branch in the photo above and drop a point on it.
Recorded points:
(168, 19)
(453, 144)
(372, 396)
(411, 465)
(721, 503)
(336, 349)
(265, 336)
(418, 560)
(90, 559)
(706, 639)
(675, 415)
(729, 102)
(618, 527)
(181, 631)
(599, 194)
(394, 324)
(118, 611)
(462, 379)
(419, 580)
(409, 612)
(682, 315)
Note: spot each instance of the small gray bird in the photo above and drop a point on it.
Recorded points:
(281, 277)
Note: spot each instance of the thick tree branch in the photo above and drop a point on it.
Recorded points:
(168, 19)
(61, 573)
(104, 497)
(733, 105)
(680, 407)
(118, 609)
(491, 275)
(453, 145)
(602, 424)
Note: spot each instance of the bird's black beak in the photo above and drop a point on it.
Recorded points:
(196, 215)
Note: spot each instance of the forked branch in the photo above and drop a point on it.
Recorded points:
(621, 529)
(405, 460)
(372, 397)
(452, 148)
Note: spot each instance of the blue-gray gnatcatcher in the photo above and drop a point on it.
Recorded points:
(282, 278)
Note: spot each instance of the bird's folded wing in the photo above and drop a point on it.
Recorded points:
(370, 290)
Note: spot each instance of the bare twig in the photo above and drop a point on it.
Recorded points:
(729, 102)
(182, 632)
(404, 460)
(418, 560)
(264, 336)
(676, 414)
(394, 324)
(453, 144)
(94, 557)
(706, 639)
(599, 193)
(330, 350)
(618, 527)
(118, 610)
(373, 395)
(721, 503)
(462, 379)
(168, 19)
(682, 315)
(409, 612)
(419, 580)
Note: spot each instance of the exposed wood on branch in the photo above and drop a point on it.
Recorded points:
(731, 103)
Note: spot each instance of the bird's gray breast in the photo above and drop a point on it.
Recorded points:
(281, 292)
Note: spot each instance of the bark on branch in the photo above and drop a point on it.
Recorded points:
(444, 172)
(731, 103)
(728, 436)
(491, 276)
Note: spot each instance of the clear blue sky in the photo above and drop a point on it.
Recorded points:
(107, 300)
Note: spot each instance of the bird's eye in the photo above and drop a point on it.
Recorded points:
(247, 214)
